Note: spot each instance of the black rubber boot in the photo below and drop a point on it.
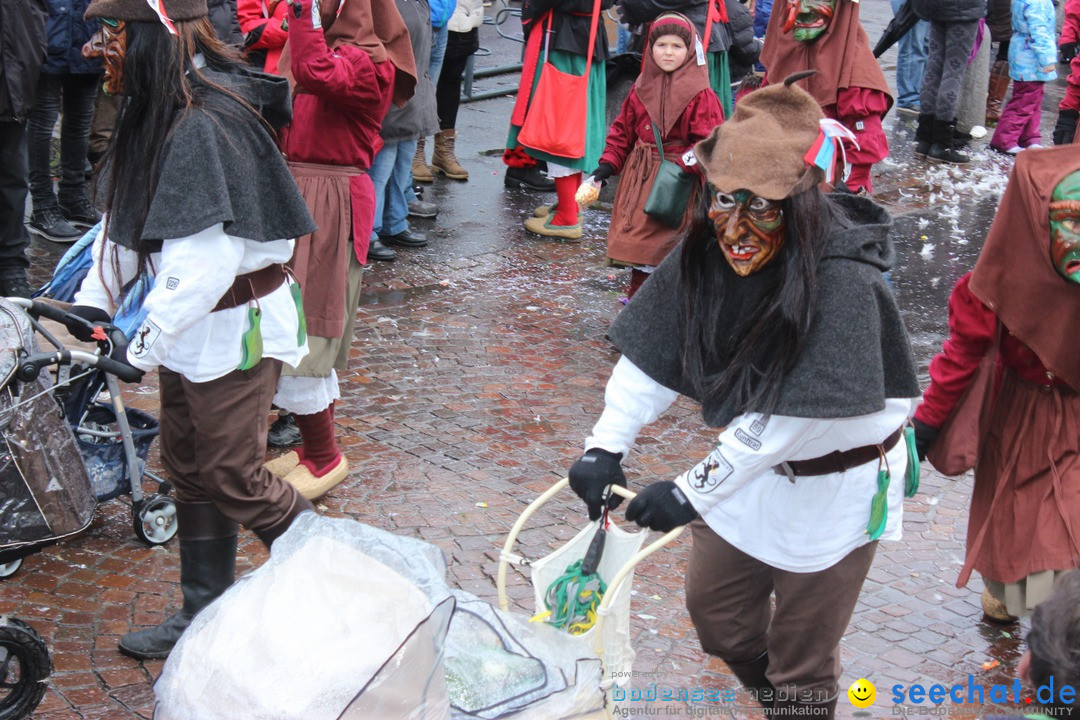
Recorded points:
(752, 676)
(207, 569)
(924, 135)
(942, 150)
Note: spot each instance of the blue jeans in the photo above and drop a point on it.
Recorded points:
(438, 52)
(910, 61)
(391, 174)
(622, 40)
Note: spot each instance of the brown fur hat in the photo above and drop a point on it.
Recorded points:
(762, 147)
(140, 10)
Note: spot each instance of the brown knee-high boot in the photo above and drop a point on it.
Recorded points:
(999, 85)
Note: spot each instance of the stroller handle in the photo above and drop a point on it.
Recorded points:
(31, 365)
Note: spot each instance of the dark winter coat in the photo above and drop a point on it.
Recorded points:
(67, 33)
(419, 117)
(22, 51)
(745, 48)
(226, 24)
(950, 11)
(570, 24)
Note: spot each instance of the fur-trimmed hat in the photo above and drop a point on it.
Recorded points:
(143, 10)
(763, 147)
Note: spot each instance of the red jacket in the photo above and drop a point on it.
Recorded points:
(338, 107)
(633, 125)
(1071, 101)
(972, 329)
(1070, 28)
(860, 110)
(268, 15)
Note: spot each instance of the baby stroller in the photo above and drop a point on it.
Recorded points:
(66, 450)
(63, 451)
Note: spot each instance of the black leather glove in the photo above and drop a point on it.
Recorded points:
(119, 354)
(925, 435)
(591, 475)
(1067, 51)
(661, 506)
(89, 317)
(602, 172)
(1065, 128)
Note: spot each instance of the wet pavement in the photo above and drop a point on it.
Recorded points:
(478, 370)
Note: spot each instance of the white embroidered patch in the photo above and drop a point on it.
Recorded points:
(689, 159)
(860, 125)
(745, 439)
(144, 339)
(709, 474)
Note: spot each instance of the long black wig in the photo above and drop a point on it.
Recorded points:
(744, 334)
(161, 82)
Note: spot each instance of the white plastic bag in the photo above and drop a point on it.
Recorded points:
(619, 547)
(343, 621)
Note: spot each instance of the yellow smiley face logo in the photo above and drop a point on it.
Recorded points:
(862, 693)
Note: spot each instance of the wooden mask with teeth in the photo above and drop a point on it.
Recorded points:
(749, 228)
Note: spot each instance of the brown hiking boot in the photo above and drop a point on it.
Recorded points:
(443, 160)
(999, 86)
(420, 170)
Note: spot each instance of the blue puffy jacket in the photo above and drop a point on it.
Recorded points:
(67, 33)
(1034, 41)
(441, 10)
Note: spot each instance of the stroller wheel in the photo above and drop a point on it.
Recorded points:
(10, 568)
(24, 668)
(155, 519)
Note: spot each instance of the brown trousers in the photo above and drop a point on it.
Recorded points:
(727, 594)
(213, 444)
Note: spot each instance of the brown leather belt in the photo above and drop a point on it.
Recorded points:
(837, 461)
(252, 285)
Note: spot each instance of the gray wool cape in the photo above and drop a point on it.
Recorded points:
(857, 354)
(221, 165)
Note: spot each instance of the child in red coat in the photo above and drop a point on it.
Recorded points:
(672, 93)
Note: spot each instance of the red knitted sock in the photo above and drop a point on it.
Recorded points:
(567, 211)
(320, 450)
(636, 278)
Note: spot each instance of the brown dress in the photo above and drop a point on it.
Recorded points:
(634, 238)
(1025, 508)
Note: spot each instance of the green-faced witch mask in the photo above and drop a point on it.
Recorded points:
(749, 228)
(1065, 227)
(809, 19)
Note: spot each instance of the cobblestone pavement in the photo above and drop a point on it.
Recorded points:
(477, 371)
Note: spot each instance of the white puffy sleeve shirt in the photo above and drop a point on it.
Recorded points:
(181, 331)
(803, 526)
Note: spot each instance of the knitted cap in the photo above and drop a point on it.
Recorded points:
(671, 24)
(762, 148)
(136, 10)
